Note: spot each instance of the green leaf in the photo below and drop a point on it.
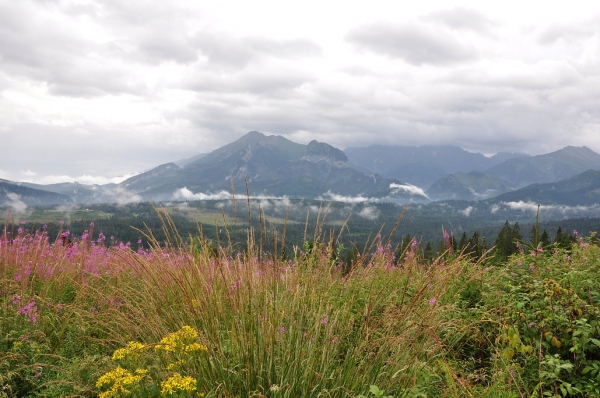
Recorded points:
(375, 390)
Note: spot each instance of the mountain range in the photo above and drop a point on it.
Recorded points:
(423, 165)
(275, 166)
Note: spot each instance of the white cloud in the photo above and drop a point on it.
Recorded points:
(408, 188)
(370, 213)
(123, 197)
(67, 209)
(520, 205)
(467, 211)
(15, 202)
(184, 193)
(533, 207)
(345, 199)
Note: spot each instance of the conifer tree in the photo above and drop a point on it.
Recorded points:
(545, 239)
(428, 251)
(463, 241)
(505, 241)
(562, 239)
(559, 235)
(516, 234)
(476, 246)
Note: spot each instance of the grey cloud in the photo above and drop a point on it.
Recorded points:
(541, 76)
(226, 50)
(263, 83)
(78, 10)
(476, 111)
(290, 49)
(569, 33)
(35, 47)
(414, 44)
(160, 47)
(142, 13)
(463, 19)
(106, 152)
(88, 79)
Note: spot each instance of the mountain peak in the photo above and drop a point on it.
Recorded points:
(320, 152)
(251, 137)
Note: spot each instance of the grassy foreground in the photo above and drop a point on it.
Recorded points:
(83, 319)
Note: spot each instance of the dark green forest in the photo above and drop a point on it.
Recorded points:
(285, 223)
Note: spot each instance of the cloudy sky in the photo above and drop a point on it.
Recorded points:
(93, 90)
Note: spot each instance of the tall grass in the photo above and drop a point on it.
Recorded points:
(273, 326)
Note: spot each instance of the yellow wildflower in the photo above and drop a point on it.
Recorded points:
(181, 341)
(141, 372)
(176, 384)
(133, 349)
(174, 365)
(120, 380)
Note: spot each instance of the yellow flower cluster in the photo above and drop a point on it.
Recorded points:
(176, 384)
(121, 380)
(181, 341)
(175, 365)
(133, 349)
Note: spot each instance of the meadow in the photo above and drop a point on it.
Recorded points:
(87, 316)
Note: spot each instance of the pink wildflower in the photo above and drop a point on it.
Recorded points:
(30, 310)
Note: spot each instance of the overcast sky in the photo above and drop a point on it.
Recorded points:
(94, 90)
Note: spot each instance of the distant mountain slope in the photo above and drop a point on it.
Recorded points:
(580, 190)
(186, 161)
(80, 193)
(272, 165)
(467, 186)
(153, 178)
(422, 165)
(11, 193)
(550, 167)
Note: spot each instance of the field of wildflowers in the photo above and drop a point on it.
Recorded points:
(83, 316)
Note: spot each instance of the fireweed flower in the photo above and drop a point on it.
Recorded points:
(30, 311)
(432, 301)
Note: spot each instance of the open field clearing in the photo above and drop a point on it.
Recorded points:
(89, 318)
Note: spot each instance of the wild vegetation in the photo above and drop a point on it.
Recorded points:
(188, 316)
